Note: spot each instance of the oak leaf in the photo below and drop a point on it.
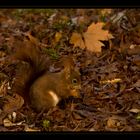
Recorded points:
(94, 34)
(77, 40)
(92, 37)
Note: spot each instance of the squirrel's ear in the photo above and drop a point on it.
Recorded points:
(67, 72)
(68, 65)
(68, 61)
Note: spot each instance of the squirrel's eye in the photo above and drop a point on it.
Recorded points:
(74, 81)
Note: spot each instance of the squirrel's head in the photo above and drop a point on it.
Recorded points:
(73, 78)
(74, 83)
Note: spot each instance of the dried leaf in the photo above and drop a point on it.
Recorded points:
(131, 49)
(27, 129)
(116, 80)
(92, 38)
(136, 60)
(32, 39)
(94, 34)
(77, 40)
(13, 103)
(58, 36)
(111, 123)
(106, 11)
(134, 110)
(12, 117)
(3, 88)
(78, 20)
(2, 54)
(8, 123)
(116, 122)
(137, 84)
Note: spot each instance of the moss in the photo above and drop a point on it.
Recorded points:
(52, 53)
(18, 13)
(46, 124)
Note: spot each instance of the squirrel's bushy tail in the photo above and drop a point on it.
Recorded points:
(32, 64)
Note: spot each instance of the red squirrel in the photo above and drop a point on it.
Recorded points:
(40, 87)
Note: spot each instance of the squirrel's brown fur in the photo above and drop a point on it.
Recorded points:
(37, 85)
(32, 64)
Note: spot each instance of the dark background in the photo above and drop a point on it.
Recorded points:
(69, 3)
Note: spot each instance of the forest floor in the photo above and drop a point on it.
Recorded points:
(106, 45)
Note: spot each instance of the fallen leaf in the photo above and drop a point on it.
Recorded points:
(32, 38)
(3, 129)
(78, 20)
(134, 110)
(12, 103)
(1, 38)
(116, 80)
(3, 87)
(92, 38)
(111, 123)
(58, 36)
(2, 54)
(94, 34)
(131, 49)
(8, 123)
(106, 11)
(137, 84)
(27, 129)
(77, 40)
(116, 122)
(136, 60)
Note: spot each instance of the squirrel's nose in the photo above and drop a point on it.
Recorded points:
(75, 93)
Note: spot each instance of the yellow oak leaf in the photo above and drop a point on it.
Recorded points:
(77, 40)
(94, 34)
(92, 38)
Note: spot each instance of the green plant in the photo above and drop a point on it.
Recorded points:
(46, 124)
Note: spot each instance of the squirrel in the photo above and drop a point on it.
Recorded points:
(38, 86)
